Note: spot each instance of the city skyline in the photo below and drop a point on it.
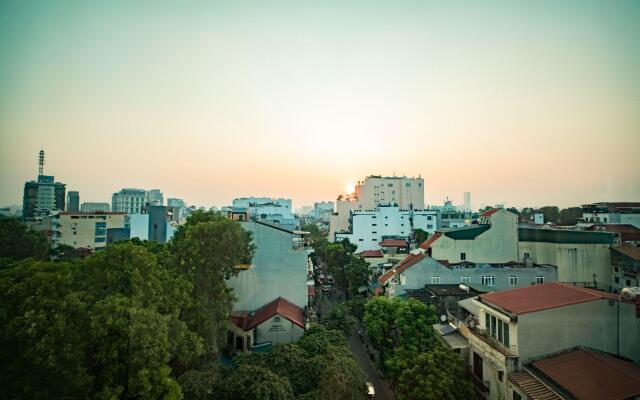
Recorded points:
(524, 104)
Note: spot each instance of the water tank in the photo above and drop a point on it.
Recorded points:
(630, 293)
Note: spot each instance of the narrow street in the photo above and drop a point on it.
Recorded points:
(382, 392)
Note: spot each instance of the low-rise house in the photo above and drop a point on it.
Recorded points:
(576, 374)
(418, 269)
(276, 322)
(444, 297)
(612, 213)
(520, 325)
(278, 271)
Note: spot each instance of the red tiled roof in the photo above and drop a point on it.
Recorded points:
(372, 254)
(444, 262)
(427, 243)
(489, 213)
(532, 386)
(394, 243)
(628, 250)
(311, 291)
(590, 375)
(628, 233)
(279, 306)
(402, 266)
(542, 297)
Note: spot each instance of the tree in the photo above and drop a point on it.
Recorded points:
(379, 323)
(251, 382)
(207, 248)
(570, 216)
(340, 320)
(64, 252)
(104, 327)
(434, 375)
(419, 236)
(514, 210)
(18, 241)
(551, 214)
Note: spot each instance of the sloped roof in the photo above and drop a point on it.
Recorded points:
(629, 251)
(371, 254)
(532, 386)
(466, 232)
(489, 213)
(402, 266)
(394, 243)
(427, 243)
(591, 375)
(542, 297)
(628, 233)
(279, 306)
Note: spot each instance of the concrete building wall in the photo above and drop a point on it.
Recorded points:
(429, 271)
(277, 329)
(576, 262)
(592, 324)
(408, 193)
(130, 201)
(87, 231)
(93, 207)
(139, 226)
(277, 270)
(499, 244)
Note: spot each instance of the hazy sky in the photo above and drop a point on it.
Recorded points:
(526, 103)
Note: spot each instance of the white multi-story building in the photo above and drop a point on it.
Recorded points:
(86, 230)
(612, 213)
(128, 200)
(93, 207)
(323, 210)
(276, 211)
(407, 193)
(370, 227)
(154, 197)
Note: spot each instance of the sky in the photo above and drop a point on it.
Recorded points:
(523, 103)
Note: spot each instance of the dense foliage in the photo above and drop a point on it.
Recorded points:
(318, 366)
(416, 361)
(18, 241)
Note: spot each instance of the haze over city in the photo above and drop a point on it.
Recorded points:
(524, 104)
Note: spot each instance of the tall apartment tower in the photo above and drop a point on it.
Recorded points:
(407, 193)
(128, 200)
(44, 196)
(467, 201)
(154, 197)
(73, 201)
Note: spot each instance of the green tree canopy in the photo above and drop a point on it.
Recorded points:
(419, 236)
(18, 241)
(570, 216)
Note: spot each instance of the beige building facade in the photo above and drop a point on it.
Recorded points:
(85, 229)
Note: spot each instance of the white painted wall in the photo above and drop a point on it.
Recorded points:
(277, 329)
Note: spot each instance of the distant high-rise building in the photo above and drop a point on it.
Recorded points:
(171, 202)
(406, 192)
(93, 207)
(43, 196)
(467, 201)
(154, 197)
(128, 200)
(73, 201)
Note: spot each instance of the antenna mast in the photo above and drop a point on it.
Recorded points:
(41, 163)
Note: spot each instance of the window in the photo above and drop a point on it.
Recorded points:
(386, 224)
(429, 226)
(403, 279)
(374, 232)
(276, 319)
(488, 280)
(539, 279)
(513, 281)
(516, 396)
(429, 217)
(526, 255)
(374, 224)
(435, 280)
(497, 328)
(628, 282)
(101, 239)
(500, 375)
(465, 280)
(390, 184)
(616, 279)
(463, 256)
(360, 240)
(408, 184)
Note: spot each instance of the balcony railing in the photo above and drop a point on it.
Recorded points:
(507, 351)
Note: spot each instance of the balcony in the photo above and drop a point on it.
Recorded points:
(510, 351)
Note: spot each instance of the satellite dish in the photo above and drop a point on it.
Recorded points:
(443, 318)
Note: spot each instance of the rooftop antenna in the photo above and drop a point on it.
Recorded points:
(41, 163)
